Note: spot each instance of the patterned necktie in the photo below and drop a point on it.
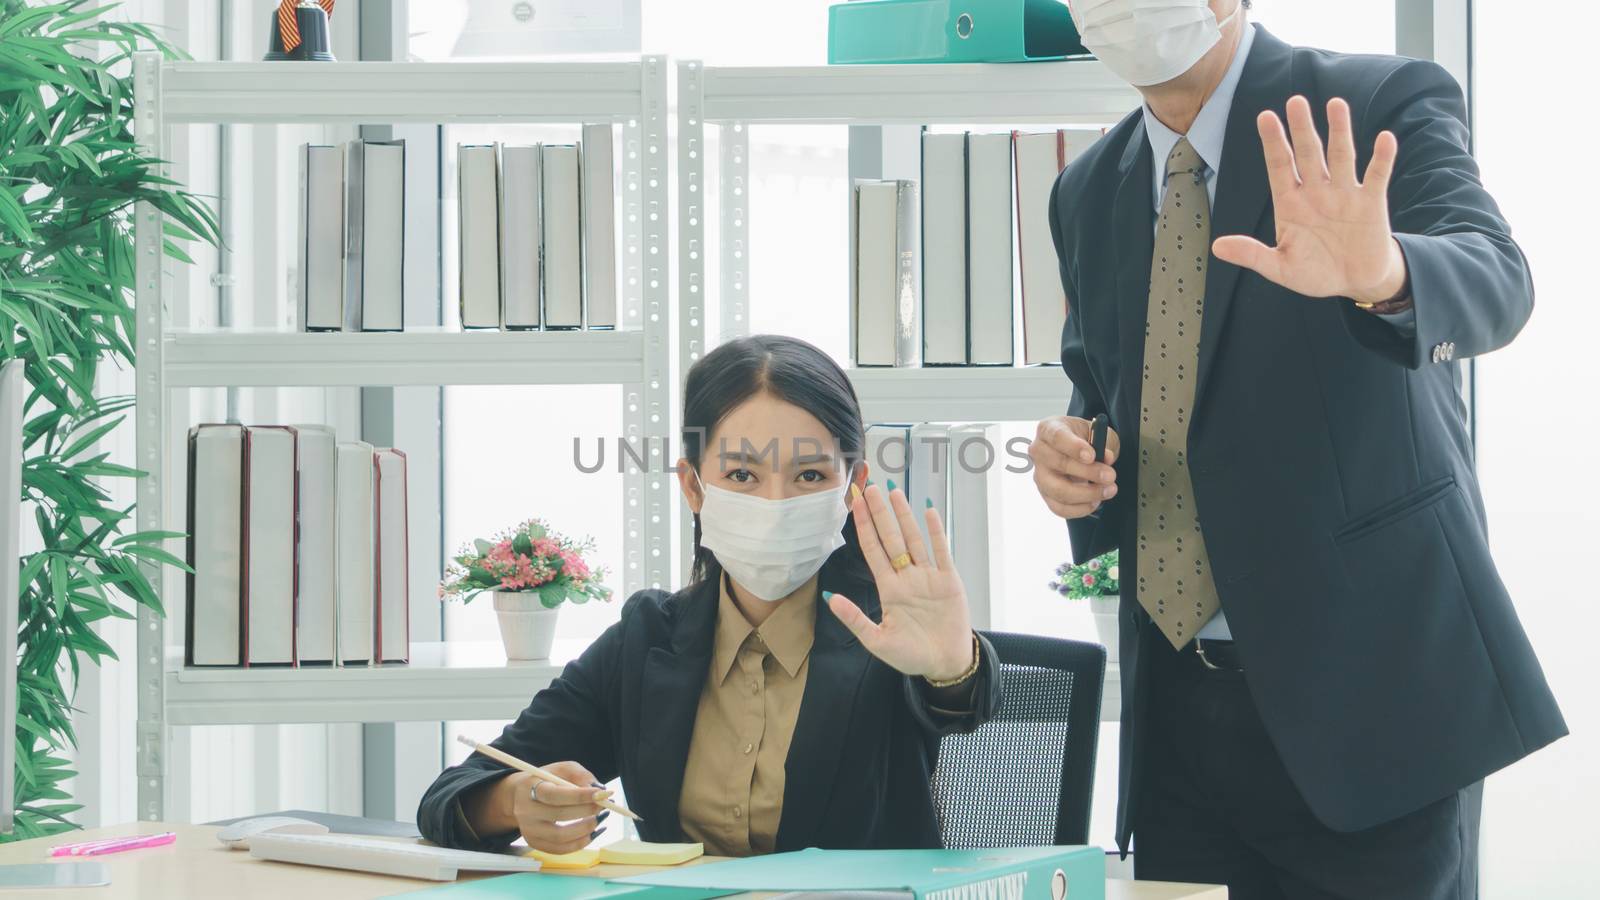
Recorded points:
(289, 26)
(1175, 584)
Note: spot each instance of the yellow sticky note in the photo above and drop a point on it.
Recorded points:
(577, 859)
(644, 853)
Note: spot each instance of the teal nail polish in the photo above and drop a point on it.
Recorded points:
(891, 484)
(869, 482)
(827, 594)
(928, 501)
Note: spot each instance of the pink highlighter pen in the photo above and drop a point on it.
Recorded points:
(115, 845)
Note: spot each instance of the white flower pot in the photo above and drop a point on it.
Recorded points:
(1105, 623)
(527, 628)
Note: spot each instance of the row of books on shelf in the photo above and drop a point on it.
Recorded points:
(957, 470)
(536, 225)
(299, 549)
(933, 276)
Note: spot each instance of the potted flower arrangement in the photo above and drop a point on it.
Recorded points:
(1099, 582)
(530, 570)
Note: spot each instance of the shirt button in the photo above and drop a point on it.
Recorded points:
(738, 813)
(754, 687)
(748, 748)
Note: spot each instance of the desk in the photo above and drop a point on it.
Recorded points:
(197, 866)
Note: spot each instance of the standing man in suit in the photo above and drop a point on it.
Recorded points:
(1319, 661)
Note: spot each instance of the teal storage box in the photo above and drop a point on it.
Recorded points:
(950, 31)
(1014, 873)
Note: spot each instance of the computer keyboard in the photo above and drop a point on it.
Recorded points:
(385, 857)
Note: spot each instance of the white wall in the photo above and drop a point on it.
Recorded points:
(1537, 431)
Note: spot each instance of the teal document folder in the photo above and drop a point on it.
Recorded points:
(950, 31)
(1021, 873)
(558, 887)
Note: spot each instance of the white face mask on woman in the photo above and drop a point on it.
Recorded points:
(772, 546)
(1147, 42)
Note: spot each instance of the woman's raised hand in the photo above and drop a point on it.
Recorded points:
(925, 628)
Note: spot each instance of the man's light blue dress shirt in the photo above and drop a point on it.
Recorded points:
(1206, 136)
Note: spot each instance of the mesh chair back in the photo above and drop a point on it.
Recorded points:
(1025, 778)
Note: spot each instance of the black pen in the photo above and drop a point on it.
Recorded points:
(1097, 436)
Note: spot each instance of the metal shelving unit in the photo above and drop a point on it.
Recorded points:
(736, 98)
(444, 681)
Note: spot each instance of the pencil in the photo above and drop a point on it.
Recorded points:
(499, 755)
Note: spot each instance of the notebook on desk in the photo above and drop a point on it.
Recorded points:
(406, 859)
(340, 824)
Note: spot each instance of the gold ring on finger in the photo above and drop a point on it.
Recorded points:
(901, 561)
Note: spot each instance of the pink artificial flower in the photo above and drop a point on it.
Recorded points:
(1088, 580)
(1094, 565)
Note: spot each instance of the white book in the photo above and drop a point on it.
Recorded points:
(888, 454)
(393, 605)
(989, 270)
(375, 210)
(216, 505)
(479, 238)
(13, 391)
(928, 484)
(883, 298)
(944, 249)
(320, 272)
(599, 227)
(1039, 161)
(563, 238)
(269, 545)
(316, 625)
(355, 551)
(977, 465)
(520, 236)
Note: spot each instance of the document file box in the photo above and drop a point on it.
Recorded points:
(950, 31)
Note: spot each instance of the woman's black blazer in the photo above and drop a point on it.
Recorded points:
(858, 770)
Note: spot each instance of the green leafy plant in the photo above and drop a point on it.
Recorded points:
(70, 176)
(528, 558)
(1099, 577)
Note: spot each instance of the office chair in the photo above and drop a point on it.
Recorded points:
(1025, 778)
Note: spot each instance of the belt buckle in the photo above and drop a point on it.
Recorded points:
(1200, 651)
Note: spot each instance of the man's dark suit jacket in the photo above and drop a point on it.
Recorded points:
(858, 770)
(1331, 455)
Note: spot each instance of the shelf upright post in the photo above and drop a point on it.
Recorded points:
(658, 390)
(733, 220)
(633, 402)
(149, 437)
(691, 249)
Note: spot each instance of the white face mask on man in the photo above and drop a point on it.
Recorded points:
(771, 547)
(1146, 42)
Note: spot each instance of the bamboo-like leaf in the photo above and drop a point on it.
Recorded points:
(147, 536)
(13, 218)
(149, 551)
(84, 441)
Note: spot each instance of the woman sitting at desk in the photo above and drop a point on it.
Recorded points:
(737, 711)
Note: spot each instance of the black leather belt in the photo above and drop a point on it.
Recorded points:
(1216, 655)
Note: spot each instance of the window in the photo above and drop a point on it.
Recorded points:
(1542, 496)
